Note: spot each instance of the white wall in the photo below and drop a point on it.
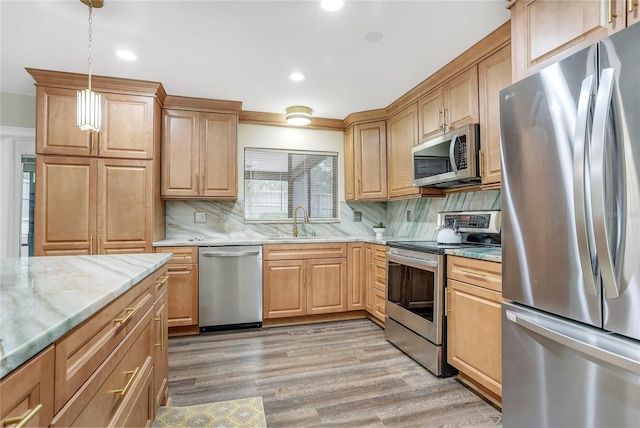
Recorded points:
(282, 137)
(14, 142)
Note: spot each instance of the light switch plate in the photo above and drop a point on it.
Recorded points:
(357, 216)
(409, 215)
(200, 217)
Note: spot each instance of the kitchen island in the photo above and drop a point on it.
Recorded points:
(69, 325)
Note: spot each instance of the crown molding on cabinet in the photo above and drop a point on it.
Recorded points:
(365, 116)
(202, 104)
(277, 119)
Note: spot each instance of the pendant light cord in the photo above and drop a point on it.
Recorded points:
(90, 33)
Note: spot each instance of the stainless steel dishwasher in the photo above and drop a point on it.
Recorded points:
(230, 287)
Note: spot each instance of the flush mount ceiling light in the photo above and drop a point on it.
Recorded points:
(296, 76)
(89, 101)
(126, 55)
(332, 5)
(299, 115)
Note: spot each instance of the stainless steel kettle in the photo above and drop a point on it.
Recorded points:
(449, 235)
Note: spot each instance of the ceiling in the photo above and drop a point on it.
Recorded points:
(245, 50)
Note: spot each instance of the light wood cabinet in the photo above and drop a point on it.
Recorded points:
(79, 206)
(349, 166)
(355, 276)
(376, 280)
(494, 74)
(474, 334)
(450, 106)
(402, 136)
(199, 155)
(127, 129)
(546, 31)
(368, 278)
(161, 344)
(370, 160)
(304, 279)
(182, 297)
(26, 395)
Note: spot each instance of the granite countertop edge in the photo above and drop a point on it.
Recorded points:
(489, 254)
(32, 320)
(213, 242)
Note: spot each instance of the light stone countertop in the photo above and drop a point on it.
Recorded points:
(213, 242)
(43, 298)
(490, 254)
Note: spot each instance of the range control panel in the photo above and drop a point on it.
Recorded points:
(471, 221)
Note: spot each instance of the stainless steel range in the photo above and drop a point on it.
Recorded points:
(416, 281)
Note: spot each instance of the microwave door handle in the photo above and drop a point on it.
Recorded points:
(452, 151)
(601, 232)
(583, 224)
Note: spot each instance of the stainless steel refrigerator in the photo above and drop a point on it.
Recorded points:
(570, 138)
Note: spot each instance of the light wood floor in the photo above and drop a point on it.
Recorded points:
(332, 374)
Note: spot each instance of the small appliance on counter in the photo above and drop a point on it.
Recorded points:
(416, 279)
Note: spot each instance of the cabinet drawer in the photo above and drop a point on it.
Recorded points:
(304, 251)
(380, 252)
(181, 255)
(25, 389)
(380, 275)
(80, 353)
(115, 385)
(379, 301)
(477, 272)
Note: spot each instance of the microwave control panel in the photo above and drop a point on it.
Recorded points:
(462, 153)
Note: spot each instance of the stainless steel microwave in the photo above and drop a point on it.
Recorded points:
(448, 160)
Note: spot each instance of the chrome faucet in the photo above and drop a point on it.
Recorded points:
(295, 219)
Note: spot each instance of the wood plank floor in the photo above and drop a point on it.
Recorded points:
(331, 374)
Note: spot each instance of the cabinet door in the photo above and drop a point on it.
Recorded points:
(461, 99)
(284, 292)
(218, 135)
(326, 286)
(370, 144)
(356, 276)
(545, 31)
(633, 11)
(28, 387)
(349, 166)
(494, 74)
(474, 335)
(368, 278)
(180, 153)
(182, 300)
(403, 135)
(430, 114)
(57, 130)
(127, 128)
(124, 209)
(161, 351)
(65, 209)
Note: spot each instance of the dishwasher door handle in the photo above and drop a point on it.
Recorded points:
(226, 254)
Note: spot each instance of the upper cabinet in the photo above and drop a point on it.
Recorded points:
(545, 31)
(370, 160)
(402, 132)
(199, 145)
(349, 166)
(449, 106)
(494, 74)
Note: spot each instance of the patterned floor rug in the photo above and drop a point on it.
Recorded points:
(246, 412)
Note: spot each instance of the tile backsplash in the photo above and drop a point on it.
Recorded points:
(226, 219)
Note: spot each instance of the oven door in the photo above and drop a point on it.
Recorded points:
(414, 292)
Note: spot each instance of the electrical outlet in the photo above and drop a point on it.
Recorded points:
(357, 216)
(200, 217)
(409, 215)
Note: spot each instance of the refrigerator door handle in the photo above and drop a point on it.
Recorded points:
(580, 202)
(600, 119)
(577, 345)
(452, 151)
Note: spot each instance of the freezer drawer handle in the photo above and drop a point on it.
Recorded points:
(239, 254)
(576, 345)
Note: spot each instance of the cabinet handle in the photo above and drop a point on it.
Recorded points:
(446, 302)
(195, 177)
(127, 317)
(99, 244)
(472, 272)
(99, 142)
(481, 163)
(611, 14)
(21, 421)
(160, 281)
(380, 276)
(124, 390)
(439, 115)
(91, 245)
(92, 145)
(444, 119)
(202, 183)
(161, 319)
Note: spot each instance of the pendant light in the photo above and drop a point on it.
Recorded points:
(298, 115)
(89, 106)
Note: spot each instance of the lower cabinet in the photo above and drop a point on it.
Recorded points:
(182, 299)
(304, 279)
(355, 276)
(376, 280)
(474, 335)
(108, 371)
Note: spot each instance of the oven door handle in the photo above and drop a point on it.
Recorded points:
(411, 261)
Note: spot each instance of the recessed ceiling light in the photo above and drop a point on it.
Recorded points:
(332, 5)
(373, 36)
(297, 76)
(126, 55)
